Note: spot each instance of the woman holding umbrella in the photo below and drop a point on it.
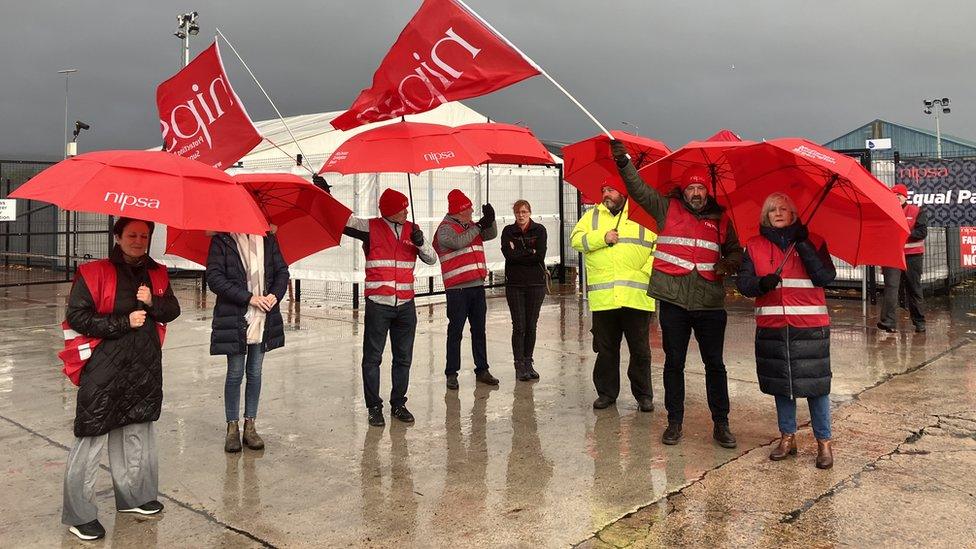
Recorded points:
(785, 269)
(524, 248)
(119, 306)
(250, 277)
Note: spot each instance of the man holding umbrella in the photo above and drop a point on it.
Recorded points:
(392, 245)
(696, 247)
(460, 246)
(912, 276)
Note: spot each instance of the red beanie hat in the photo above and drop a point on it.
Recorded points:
(457, 202)
(900, 189)
(694, 175)
(392, 202)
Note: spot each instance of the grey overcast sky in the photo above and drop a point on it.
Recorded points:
(801, 68)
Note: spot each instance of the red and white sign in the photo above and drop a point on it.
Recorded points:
(201, 117)
(967, 246)
(443, 54)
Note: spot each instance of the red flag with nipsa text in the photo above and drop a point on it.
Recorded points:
(200, 115)
(443, 54)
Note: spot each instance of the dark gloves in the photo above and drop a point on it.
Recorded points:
(488, 217)
(724, 267)
(802, 233)
(619, 152)
(417, 236)
(768, 282)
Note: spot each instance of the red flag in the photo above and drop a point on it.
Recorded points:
(201, 116)
(443, 54)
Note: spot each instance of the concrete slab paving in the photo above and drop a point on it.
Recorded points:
(524, 464)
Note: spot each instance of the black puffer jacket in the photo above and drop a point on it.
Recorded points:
(122, 382)
(227, 278)
(791, 361)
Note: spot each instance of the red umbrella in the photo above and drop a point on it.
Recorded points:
(588, 164)
(308, 219)
(505, 144)
(410, 147)
(149, 185)
(858, 216)
(707, 155)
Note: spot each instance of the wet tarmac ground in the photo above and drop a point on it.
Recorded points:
(520, 465)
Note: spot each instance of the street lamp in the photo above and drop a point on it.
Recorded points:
(635, 126)
(936, 105)
(66, 73)
(187, 27)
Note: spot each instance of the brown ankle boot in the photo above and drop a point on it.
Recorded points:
(232, 442)
(251, 438)
(785, 448)
(825, 454)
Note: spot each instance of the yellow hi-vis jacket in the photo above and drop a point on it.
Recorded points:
(616, 276)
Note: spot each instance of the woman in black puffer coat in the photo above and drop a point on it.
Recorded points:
(119, 307)
(250, 277)
(792, 321)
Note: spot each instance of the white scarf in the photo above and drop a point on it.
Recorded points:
(251, 248)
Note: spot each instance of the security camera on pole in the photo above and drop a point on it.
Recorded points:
(72, 149)
(943, 105)
(187, 27)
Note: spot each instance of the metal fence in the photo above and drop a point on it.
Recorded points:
(44, 243)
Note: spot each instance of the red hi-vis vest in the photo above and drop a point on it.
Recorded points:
(101, 279)
(464, 264)
(796, 301)
(390, 261)
(911, 215)
(688, 244)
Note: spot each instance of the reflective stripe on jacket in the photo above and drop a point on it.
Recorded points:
(616, 276)
(688, 244)
(464, 264)
(390, 260)
(796, 301)
(911, 216)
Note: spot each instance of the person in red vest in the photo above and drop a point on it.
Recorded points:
(912, 276)
(459, 244)
(696, 249)
(786, 269)
(119, 307)
(391, 244)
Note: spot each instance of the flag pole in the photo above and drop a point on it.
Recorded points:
(268, 97)
(537, 67)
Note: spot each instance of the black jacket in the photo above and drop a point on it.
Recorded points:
(227, 278)
(791, 361)
(525, 254)
(122, 382)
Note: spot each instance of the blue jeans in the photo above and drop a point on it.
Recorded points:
(236, 367)
(819, 415)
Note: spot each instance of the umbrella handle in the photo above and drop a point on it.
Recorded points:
(620, 218)
(823, 196)
(413, 216)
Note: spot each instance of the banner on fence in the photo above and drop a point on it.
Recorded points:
(967, 246)
(945, 188)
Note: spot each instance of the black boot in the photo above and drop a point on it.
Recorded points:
(723, 435)
(484, 376)
(672, 434)
(522, 371)
(530, 364)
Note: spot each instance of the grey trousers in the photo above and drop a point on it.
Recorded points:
(132, 460)
(911, 278)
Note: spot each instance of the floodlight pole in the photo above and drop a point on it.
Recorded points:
(66, 73)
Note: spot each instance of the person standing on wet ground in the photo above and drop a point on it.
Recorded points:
(696, 248)
(459, 244)
(120, 306)
(792, 321)
(249, 276)
(524, 248)
(617, 252)
(911, 277)
(392, 245)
